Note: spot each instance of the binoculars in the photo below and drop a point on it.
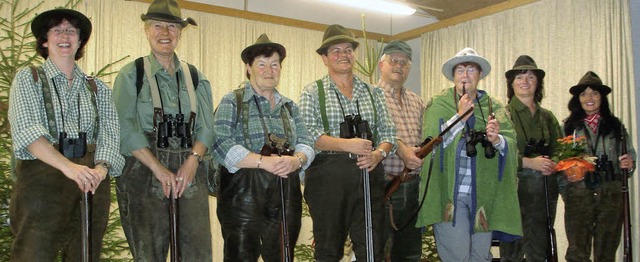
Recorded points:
(537, 148)
(473, 137)
(72, 147)
(354, 126)
(276, 145)
(167, 127)
(604, 170)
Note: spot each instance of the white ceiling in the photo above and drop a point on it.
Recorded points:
(327, 13)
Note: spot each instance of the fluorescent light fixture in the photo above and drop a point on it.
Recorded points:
(383, 6)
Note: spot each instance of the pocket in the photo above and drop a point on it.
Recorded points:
(212, 172)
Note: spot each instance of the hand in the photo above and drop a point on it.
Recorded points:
(166, 178)
(464, 104)
(540, 163)
(493, 130)
(358, 146)
(280, 166)
(411, 161)
(370, 160)
(625, 162)
(86, 178)
(185, 175)
(102, 172)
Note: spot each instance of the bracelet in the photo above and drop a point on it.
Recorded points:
(259, 161)
(299, 159)
(198, 156)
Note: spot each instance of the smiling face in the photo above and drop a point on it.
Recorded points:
(340, 58)
(264, 72)
(590, 100)
(163, 36)
(525, 84)
(63, 41)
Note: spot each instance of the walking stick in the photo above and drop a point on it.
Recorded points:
(368, 223)
(627, 252)
(552, 245)
(173, 228)
(85, 212)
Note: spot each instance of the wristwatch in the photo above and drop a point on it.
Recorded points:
(383, 153)
(104, 164)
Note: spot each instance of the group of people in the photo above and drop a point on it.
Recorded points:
(157, 134)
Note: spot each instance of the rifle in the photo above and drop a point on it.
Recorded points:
(173, 228)
(368, 223)
(286, 246)
(85, 212)
(626, 229)
(425, 148)
(552, 245)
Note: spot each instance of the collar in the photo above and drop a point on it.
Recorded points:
(156, 66)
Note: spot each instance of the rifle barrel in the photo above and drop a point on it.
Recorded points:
(86, 203)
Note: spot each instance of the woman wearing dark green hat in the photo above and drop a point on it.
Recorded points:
(65, 135)
(536, 129)
(166, 119)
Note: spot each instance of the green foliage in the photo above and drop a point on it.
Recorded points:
(372, 54)
(18, 51)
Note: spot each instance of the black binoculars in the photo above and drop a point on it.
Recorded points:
(167, 127)
(472, 139)
(537, 148)
(354, 126)
(72, 147)
(604, 170)
(276, 145)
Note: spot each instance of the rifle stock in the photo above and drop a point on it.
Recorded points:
(86, 202)
(552, 244)
(173, 228)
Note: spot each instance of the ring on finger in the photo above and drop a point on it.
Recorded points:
(180, 178)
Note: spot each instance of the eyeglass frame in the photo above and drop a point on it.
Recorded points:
(70, 31)
(469, 69)
(394, 62)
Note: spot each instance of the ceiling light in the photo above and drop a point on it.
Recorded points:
(383, 6)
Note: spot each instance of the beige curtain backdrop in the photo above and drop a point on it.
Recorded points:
(566, 38)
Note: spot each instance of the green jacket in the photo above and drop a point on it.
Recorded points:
(494, 187)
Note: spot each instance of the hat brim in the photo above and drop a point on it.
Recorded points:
(447, 68)
(184, 22)
(514, 71)
(577, 89)
(245, 53)
(336, 40)
(40, 22)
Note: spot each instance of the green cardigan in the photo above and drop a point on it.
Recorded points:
(495, 191)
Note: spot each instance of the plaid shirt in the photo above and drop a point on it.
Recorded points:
(29, 122)
(229, 145)
(408, 121)
(309, 103)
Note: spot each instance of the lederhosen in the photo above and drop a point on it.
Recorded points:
(45, 204)
(144, 209)
(334, 193)
(249, 207)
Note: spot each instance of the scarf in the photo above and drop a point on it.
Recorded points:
(592, 122)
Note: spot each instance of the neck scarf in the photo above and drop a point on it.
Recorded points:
(592, 122)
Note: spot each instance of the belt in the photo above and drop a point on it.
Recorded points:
(350, 155)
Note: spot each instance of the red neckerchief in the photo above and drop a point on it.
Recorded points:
(592, 122)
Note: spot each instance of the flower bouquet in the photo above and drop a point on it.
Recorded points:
(571, 159)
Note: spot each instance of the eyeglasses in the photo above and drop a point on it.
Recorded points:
(66, 31)
(402, 63)
(461, 70)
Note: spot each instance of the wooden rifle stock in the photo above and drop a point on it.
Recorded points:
(626, 227)
(85, 211)
(425, 148)
(552, 245)
(284, 230)
(173, 228)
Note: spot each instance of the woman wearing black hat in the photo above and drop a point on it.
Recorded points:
(536, 128)
(166, 119)
(65, 135)
(593, 206)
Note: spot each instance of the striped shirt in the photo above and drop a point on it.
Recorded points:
(73, 103)
(408, 121)
(229, 145)
(309, 103)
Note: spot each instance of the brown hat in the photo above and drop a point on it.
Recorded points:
(466, 55)
(263, 41)
(524, 62)
(590, 79)
(336, 34)
(167, 11)
(39, 25)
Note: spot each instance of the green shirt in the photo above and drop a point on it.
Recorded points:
(136, 110)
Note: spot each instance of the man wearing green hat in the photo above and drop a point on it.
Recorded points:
(353, 134)
(166, 119)
(262, 145)
(406, 109)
